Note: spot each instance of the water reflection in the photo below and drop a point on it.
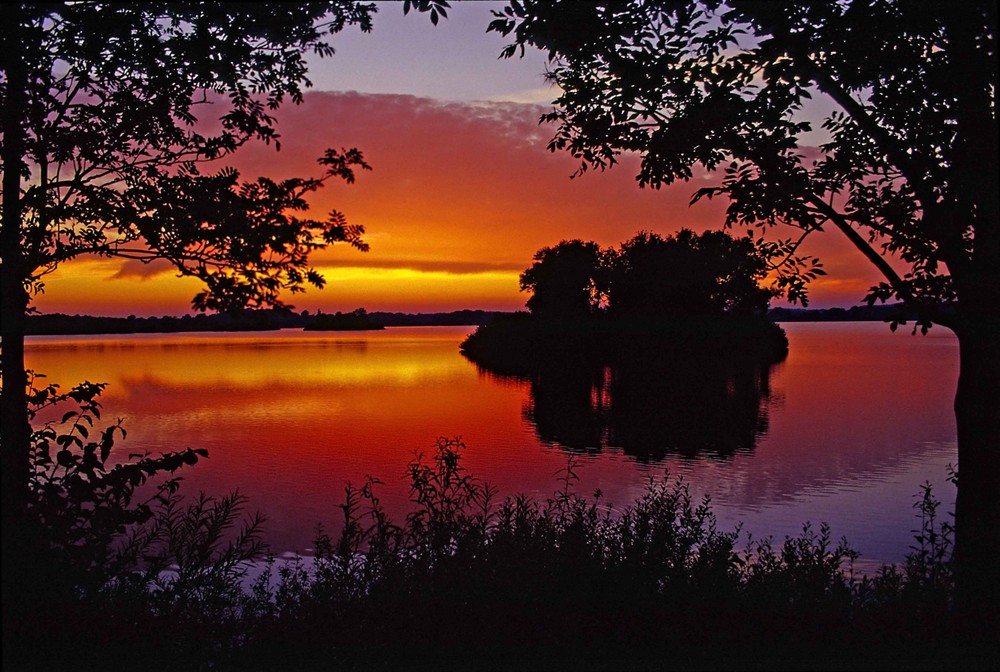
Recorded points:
(844, 430)
(651, 404)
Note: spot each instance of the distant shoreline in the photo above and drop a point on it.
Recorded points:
(59, 324)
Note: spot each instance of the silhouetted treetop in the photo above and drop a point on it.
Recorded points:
(564, 280)
(650, 276)
(695, 296)
(911, 156)
(687, 274)
(113, 111)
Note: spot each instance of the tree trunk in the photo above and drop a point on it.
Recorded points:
(15, 432)
(977, 509)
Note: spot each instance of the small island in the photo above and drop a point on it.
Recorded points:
(356, 320)
(653, 299)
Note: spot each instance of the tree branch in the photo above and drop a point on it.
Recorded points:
(842, 223)
(893, 147)
(930, 312)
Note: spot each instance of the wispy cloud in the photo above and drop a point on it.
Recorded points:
(461, 195)
(539, 95)
(132, 269)
(430, 265)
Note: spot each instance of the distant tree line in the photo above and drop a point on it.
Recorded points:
(892, 312)
(246, 320)
(356, 320)
(264, 320)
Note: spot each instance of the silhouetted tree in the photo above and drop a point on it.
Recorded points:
(909, 171)
(686, 275)
(564, 280)
(110, 113)
(683, 275)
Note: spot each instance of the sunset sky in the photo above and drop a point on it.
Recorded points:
(462, 191)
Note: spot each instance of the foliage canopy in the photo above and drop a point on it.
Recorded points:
(682, 275)
(112, 113)
(909, 166)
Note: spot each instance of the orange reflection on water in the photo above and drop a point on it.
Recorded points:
(252, 359)
(289, 418)
(855, 419)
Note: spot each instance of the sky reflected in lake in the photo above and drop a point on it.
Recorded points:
(854, 420)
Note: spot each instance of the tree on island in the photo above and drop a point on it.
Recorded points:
(649, 276)
(687, 274)
(909, 173)
(111, 114)
(701, 294)
(564, 281)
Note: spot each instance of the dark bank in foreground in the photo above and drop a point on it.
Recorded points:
(467, 580)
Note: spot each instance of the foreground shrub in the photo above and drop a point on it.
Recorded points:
(470, 580)
(117, 562)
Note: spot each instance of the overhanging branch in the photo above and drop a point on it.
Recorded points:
(893, 148)
(841, 222)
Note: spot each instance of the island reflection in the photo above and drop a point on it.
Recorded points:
(649, 403)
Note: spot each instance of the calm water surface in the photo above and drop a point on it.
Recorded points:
(843, 431)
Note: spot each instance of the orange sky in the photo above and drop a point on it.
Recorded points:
(463, 191)
(460, 196)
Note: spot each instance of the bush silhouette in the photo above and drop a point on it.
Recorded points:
(471, 580)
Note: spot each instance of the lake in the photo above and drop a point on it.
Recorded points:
(844, 430)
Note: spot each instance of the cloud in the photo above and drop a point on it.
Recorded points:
(463, 189)
(133, 269)
(539, 95)
(468, 182)
(432, 266)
